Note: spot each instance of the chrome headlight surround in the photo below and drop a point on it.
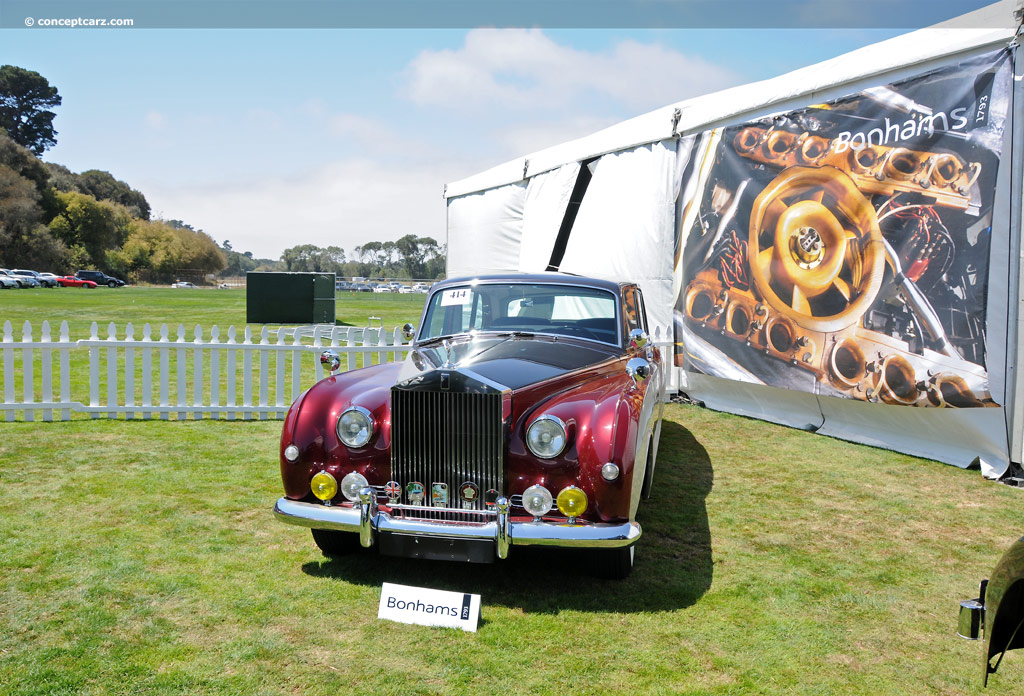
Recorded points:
(546, 437)
(355, 427)
(351, 484)
(538, 501)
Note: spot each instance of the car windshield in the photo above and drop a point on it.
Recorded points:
(565, 310)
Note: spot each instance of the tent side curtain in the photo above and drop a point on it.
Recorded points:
(547, 197)
(625, 227)
(484, 231)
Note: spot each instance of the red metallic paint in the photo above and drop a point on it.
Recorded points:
(599, 405)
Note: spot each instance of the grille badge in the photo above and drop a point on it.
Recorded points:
(439, 494)
(415, 492)
(394, 491)
(469, 492)
(491, 497)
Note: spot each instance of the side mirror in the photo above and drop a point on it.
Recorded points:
(639, 369)
(638, 339)
(331, 360)
(408, 332)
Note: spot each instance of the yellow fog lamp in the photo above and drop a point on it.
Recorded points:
(324, 486)
(571, 502)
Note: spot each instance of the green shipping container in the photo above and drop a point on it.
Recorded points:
(289, 298)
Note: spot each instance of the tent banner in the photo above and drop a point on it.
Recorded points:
(843, 249)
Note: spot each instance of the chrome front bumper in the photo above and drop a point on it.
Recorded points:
(367, 520)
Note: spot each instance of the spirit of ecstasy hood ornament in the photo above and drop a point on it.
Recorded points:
(448, 350)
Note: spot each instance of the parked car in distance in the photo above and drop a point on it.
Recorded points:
(527, 412)
(19, 281)
(342, 285)
(382, 288)
(100, 278)
(51, 277)
(998, 611)
(7, 282)
(361, 287)
(182, 284)
(73, 282)
(23, 280)
(404, 289)
(421, 288)
(43, 282)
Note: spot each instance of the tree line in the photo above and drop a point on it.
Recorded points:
(54, 219)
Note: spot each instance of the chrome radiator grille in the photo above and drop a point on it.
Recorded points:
(447, 437)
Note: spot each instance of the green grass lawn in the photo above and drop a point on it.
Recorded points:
(206, 306)
(142, 558)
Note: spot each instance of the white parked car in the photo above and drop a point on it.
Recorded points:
(183, 284)
(382, 288)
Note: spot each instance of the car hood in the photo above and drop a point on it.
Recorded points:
(497, 363)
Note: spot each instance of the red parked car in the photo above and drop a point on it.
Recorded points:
(73, 282)
(527, 412)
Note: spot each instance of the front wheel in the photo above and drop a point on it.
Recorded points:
(613, 564)
(334, 544)
(111, 284)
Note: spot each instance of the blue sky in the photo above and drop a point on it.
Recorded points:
(271, 138)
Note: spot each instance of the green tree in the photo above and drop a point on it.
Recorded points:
(310, 258)
(26, 98)
(90, 228)
(414, 253)
(23, 192)
(104, 187)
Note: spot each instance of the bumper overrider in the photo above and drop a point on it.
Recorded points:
(365, 518)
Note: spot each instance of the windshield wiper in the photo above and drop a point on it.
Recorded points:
(436, 339)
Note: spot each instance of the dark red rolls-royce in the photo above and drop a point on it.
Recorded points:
(527, 412)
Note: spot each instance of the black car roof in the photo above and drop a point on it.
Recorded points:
(550, 277)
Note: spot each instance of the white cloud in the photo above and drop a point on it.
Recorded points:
(523, 69)
(344, 203)
(155, 120)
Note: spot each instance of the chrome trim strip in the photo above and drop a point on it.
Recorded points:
(504, 528)
(367, 511)
(347, 519)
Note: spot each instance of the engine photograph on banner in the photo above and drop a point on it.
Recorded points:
(843, 249)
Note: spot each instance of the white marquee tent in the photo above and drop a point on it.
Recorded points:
(620, 204)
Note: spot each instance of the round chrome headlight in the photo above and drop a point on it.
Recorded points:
(546, 437)
(351, 484)
(355, 426)
(537, 500)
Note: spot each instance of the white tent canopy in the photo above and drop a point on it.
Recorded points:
(628, 226)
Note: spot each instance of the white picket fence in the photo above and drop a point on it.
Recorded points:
(210, 375)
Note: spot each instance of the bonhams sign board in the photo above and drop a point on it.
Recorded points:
(419, 605)
(843, 249)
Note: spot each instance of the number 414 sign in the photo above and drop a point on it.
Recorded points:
(425, 607)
